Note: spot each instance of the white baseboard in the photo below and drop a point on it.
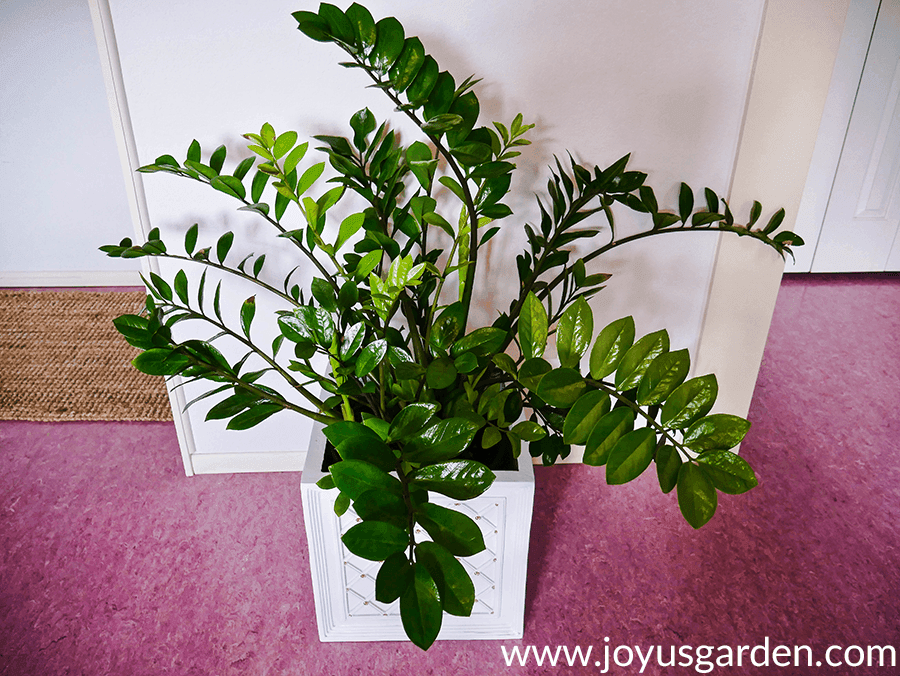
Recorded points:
(72, 278)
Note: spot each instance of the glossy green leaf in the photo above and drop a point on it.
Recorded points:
(341, 504)
(253, 416)
(161, 286)
(338, 24)
(466, 362)
(135, 329)
(606, 433)
(631, 455)
(638, 358)
(355, 477)
(612, 343)
(420, 608)
(223, 246)
(442, 441)
(229, 185)
(394, 576)
(294, 157)
(668, 463)
(483, 342)
(455, 531)
(193, 152)
(283, 144)
(689, 402)
(550, 448)
(584, 416)
(528, 430)
(665, 373)
(696, 495)
(561, 387)
(425, 80)
(774, 222)
(341, 431)
(248, 311)
(375, 540)
(719, 431)
(326, 483)
(440, 373)
(458, 479)
(190, 239)
(533, 326)
(368, 449)
(685, 202)
(370, 357)
(407, 66)
(309, 177)
(729, 472)
(259, 183)
(411, 420)
(232, 405)
(439, 124)
(441, 96)
(755, 213)
(455, 587)
(217, 159)
(353, 340)
(160, 362)
(181, 286)
(388, 43)
(532, 371)
(378, 505)
(574, 333)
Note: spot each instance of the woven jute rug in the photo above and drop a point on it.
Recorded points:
(61, 359)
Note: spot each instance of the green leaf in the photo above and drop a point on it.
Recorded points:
(532, 371)
(668, 463)
(574, 333)
(665, 373)
(368, 263)
(341, 431)
(483, 342)
(283, 144)
(561, 387)
(631, 455)
(440, 373)
(755, 213)
(394, 576)
(223, 246)
(528, 431)
(190, 239)
(388, 43)
(258, 185)
(193, 152)
(441, 96)
(341, 504)
(533, 327)
(637, 360)
(371, 357)
(442, 441)
(353, 340)
(242, 168)
(326, 483)
(420, 608)
(696, 495)
(584, 415)
(454, 531)
(426, 78)
(229, 185)
(458, 479)
(689, 402)
(338, 24)
(378, 505)
(612, 343)
(135, 329)
(217, 159)
(253, 416)
(411, 420)
(729, 472)
(161, 286)
(309, 177)
(774, 222)
(719, 431)
(160, 362)
(439, 124)
(455, 587)
(248, 310)
(606, 433)
(355, 477)
(363, 25)
(685, 202)
(375, 540)
(550, 448)
(181, 286)
(368, 449)
(407, 66)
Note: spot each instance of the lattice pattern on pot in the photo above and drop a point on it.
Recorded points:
(484, 568)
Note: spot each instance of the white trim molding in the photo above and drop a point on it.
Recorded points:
(73, 278)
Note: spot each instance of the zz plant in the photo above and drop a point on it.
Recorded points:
(414, 400)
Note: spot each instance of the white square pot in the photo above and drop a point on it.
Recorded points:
(344, 584)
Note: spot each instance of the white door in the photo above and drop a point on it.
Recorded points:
(860, 230)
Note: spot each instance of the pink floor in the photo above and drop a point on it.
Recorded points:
(112, 562)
